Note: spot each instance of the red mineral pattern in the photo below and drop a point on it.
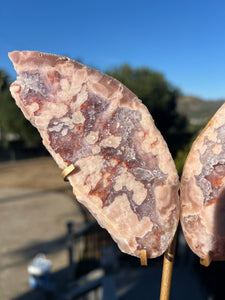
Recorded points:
(125, 174)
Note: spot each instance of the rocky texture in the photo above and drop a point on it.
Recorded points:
(124, 174)
(203, 192)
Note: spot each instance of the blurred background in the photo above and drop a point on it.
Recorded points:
(171, 54)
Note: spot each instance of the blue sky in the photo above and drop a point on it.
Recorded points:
(185, 40)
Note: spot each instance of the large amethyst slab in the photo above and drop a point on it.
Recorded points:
(203, 191)
(125, 174)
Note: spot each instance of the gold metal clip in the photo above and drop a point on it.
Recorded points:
(67, 172)
(143, 257)
(207, 260)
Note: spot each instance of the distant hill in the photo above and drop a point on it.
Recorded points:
(197, 110)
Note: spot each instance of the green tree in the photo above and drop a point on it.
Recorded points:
(11, 118)
(160, 97)
(3, 81)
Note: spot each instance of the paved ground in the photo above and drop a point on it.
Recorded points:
(32, 221)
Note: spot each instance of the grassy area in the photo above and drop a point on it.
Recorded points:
(39, 173)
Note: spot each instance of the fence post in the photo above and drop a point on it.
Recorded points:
(70, 231)
(109, 263)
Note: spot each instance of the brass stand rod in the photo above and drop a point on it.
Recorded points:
(168, 270)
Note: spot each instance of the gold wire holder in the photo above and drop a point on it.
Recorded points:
(143, 258)
(67, 172)
(168, 270)
(207, 260)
